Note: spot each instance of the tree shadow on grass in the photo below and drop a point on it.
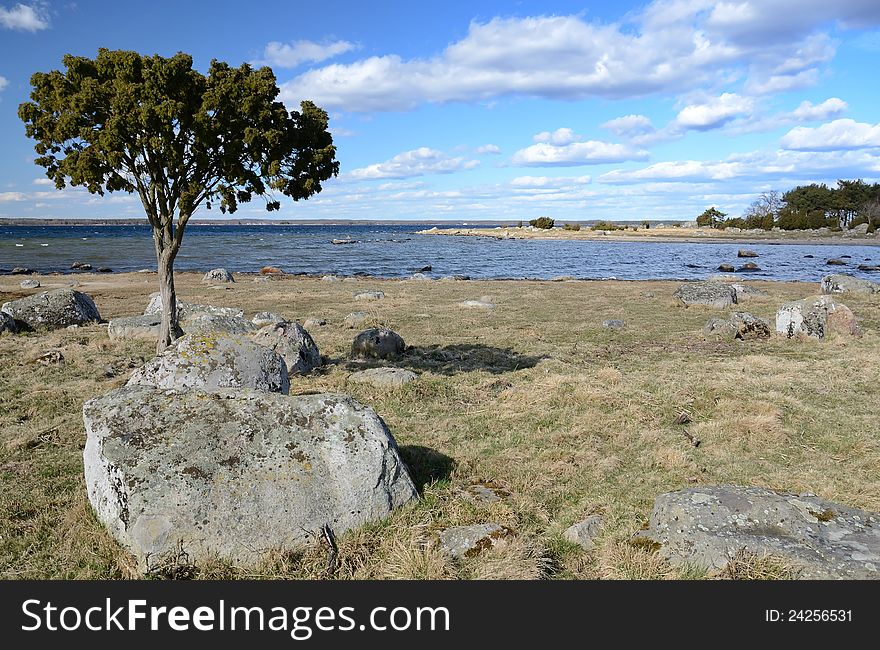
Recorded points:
(453, 359)
(426, 465)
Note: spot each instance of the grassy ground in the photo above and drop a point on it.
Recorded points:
(535, 396)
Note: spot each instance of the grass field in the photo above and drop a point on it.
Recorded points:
(534, 397)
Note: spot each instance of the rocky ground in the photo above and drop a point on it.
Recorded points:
(552, 429)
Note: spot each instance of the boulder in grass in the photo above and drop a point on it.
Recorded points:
(215, 364)
(709, 526)
(7, 323)
(469, 541)
(293, 343)
(711, 294)
(369, 295)
(200, 323)
(815, 317)
(235, 477)
(384, 377)
(377, 343)
(584, 532)
(134, 327)
(53, 309)
(843, 283)
(744, 291)
(189, 309)
(263, 318)
(30, 284)
(218, 275)
(355, 319)
(741, 325)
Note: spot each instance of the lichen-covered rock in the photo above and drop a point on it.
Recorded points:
(7, 323)
(468, 541)
(263, 318)
(134, 327)
(744, 291)
(53, 309)
(218, 275)
(384, 377)
(189, 309)
(843, 283)
(293, 343)
(215, 364)
(712, 294)
(30, 284)
(741, 325)
(377, 343)
(815, 317)
(235, 477)
(199, 323)
(584, 532)
(355, 318)
(708, 526)
(613, 324)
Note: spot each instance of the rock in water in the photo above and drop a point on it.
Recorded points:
(709, 525)
(843, 283)
(377, 343)
(215, 364)
(713, 294)
(53, 309)
(293, 343)
(236, 477)
(218, 275)
(746, 253)
(815, 317)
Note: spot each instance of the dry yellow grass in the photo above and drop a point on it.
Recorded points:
(534, 396)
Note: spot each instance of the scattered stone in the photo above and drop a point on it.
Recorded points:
(218, 275)
(420, 277)
(271, 270)
(21, 270)
(563, 278)
(293, 343)
(748, 266)
(713, 294)
(344, 241)
(263, 318)
(584, 532)
(355, 319)
(750, 327)
(726, 268)
(483, 303)
(868, 267)
(815, 317)
(330, 278)
(468, 541)
(377, 343)
(238, 476)
(30, 284)
(836, 262)
(709, 526)
(7, 323)
(315, 322)
(843, 283)
(682, 418)
(384, 377)
(369, 295)
(53, 309)
(81, 266)
(105, 269)
(746, 253)
(484, 494)
(744, 291)
(425, 269)
(215, 364)
(135, 327)
(720, 328)
(613, 324)
(50, 358)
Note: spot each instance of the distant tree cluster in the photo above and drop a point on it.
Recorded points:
(606, 225)
(544, 223)
(807, 207)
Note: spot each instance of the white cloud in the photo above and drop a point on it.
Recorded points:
(837, 135)
(12, 196)
(290, 55)
(487, 149)
(27, 18)
(809, 112)
(629, 126)
(558, 137)
(3, 83)
(542, 182)
(591, 152)
(43, 181)
(670, 46)
(417, 162)
(714, 112)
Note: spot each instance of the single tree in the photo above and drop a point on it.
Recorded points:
(179, 138)
(711, 217)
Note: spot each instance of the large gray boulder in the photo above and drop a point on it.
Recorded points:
(217, 324)
(235, 477)
(215, 364)
(713, 294)
(815, 317)
(188, 309)
(134, 327)
(378, 343)
(218, 276)
(293, 343)
(53, 309)
(843, 283)
(708, 526)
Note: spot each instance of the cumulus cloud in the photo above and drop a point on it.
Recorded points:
(290, 55)
(670, 46)
(12, 196)
(809, 112)
(561, 136)
(43, 181)
(715, 112)
(629, 126)
(417, 162)
(590, 152)
(487, 149)
(843, 134)
(26, 18)
(542, 182)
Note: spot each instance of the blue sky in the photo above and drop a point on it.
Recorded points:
(505, 110)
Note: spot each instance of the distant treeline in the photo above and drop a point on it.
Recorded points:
(807, 207)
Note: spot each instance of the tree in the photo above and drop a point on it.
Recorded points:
(544, 223)
(711, 217)
(180, 139)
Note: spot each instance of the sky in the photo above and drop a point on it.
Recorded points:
(503, 110)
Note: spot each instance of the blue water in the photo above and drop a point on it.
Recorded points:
(396, 251)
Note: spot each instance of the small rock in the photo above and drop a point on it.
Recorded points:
(293, 343)
(21, 270)
(105, 269)
(477, 304)
(746, 253)
(384, 377)
(584, 532)
(835, 262)
(420, 277)
(869, 267)
(314, 322)
(468, 541)
(50, 358)
(218, 275)
(263, 318)
(425, 269)
(613, 324)
(748, 266)
(377, 343)
(81, 266)
(330, 278)
(726, 268)
(744, 291)
(355, 319)
(30, 284)
(271, 270)
(369, 295)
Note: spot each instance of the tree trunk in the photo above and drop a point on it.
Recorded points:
(170, 329)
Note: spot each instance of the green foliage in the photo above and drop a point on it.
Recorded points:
(646, 224)
(544, 223)
(606, 225)
(711, 217)
(572, 226)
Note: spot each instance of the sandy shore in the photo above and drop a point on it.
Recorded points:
(665, 235)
